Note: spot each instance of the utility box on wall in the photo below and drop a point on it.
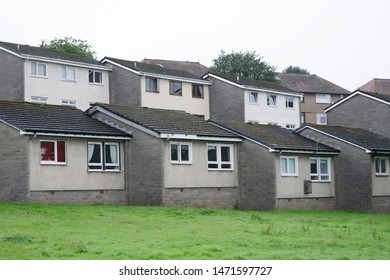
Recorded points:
(307, 187)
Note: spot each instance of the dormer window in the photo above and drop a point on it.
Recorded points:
(151, 84)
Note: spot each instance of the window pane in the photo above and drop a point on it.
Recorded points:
(212, 153)
(175, 88)
(98, 77)
(324, 166)
(184, 149)
(151, 84)
(283, 167)
(174, 152)
(90, 76)
(47, 151)
(111, 154)
(61, 151)
(63, 72)
(313, 166)
(291, 165)
(213, 165)
(226, 166)
(197, 91)
(94, 155)
(271, 100)
(225, 154)
(41, 69)
(253, 97)
(71, 74)
(383, 165)
(33, 68)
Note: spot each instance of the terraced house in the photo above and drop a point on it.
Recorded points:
(41, 75)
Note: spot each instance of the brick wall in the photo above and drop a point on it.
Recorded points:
(11, 77)
(257, 181)
(14, 165)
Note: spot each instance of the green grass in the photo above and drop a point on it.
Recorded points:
(38, 231)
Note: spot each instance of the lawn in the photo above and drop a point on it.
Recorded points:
(38, 231)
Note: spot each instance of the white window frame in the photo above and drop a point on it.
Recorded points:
(289, 173)
(253, 97)
(35, 66)
(290, 99)
(219, 161)
(39, 99)
(269, 99)
(319, 175)
(323, 98)
(55, 161)
(148, 83)
(103, 164)
(94, 72)
(321, 118)
(68, 102)
(65, 73)
(179, 159)
(380, 159)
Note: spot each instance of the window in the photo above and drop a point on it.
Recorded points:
(289, 102)
(220, 156)
(151, 84)
(95, 77)
(303, 118)
(68, 73)
(175, 88)
(197, 91)
(52, 152)
(320, 169)
(290, 126)
(323, 98)
(39, 99)
(103, 156)
(271, 99)
(253, 97)
(68, 102)
(289, 166)
(381, 166)
(181, 153)
(38, 69)
(321, 118)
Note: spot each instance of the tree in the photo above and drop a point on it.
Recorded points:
(247, 64)
(295, 70)
(70, 45)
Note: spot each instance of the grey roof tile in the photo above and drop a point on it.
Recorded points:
(194, 68)
(380, 86)
(42, 118)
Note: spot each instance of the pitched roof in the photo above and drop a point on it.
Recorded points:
(194, 68)
(27, 50)
(276, 137)
(380, 86)
(309, 83)
(247, 82)
(363, 138)
(165, 121)
(42, 118)
(152, 68)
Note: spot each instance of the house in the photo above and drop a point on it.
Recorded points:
(279, 169)
(194, 68)
(362, 110)
(41, 75)
(53, 153)
(175, 158)
(381, 86)
(361, 169)
(247, 100)
(148, 85)
(319, 94)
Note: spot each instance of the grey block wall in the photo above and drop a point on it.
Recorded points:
(14, 165)
(11, 77)
(226, 102)
(353, 174)
(125, 87)
(381, 204)
(319, 203)
(257, 181)
(362, 112)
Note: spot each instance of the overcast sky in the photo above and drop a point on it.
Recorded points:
(344, 41)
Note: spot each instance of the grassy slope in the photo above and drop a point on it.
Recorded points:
(36, 231)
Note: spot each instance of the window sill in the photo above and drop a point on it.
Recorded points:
(51, 163)
(152, 91)
(381, 175)
(255, 104)
(318, 181)
(219, 170)
(70, 81)
(272, 106)
(172, 94)
(40, 77)
(103, 171)
(289, 175)
(96, 84)
(197, 97)
(180, 163)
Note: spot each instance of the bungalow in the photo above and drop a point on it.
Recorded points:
(52, 153)
(280, 169)
(361, 169)
(246, 100)
(175, 158)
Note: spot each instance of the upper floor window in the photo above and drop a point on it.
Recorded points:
(253, 98)
(175, 88)
(38, 69)
(289, 102)
(151, 84)
(181, 152)
(103, 156)
(323, 98)
(271, 99)
(68, 73)
(95, 77)
(52, 152)
(381, 166)
(289, 166)
(320, 169)
(220, 156)
(321, 118)
(197, 91)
